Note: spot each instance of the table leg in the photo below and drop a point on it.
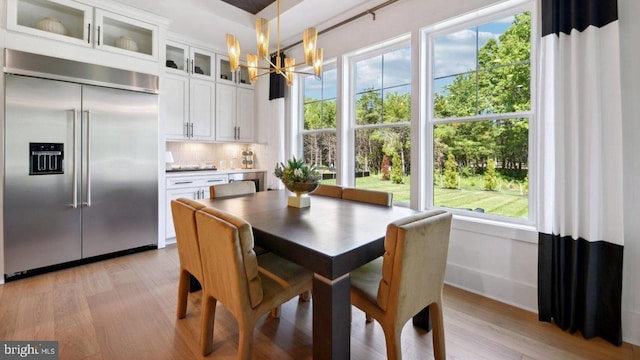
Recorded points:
(423, 319)
(331, 318)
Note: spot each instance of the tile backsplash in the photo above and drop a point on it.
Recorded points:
(193, 153)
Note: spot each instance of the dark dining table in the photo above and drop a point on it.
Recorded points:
(331, 238)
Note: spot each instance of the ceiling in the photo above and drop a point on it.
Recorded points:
(208, 21)
(250, 6)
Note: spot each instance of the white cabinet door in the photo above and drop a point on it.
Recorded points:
(126, 36)
(245, 116)
(175, 102)
(202, 109)
(84, 25)
(177, 58)
(189, 193)
(226, 103)
(202, 64)
(67, 21)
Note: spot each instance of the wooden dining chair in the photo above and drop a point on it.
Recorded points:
(384, 198)
(184, 219)
(328, 190)
(247, 286)
(235, 188)
(407, 278)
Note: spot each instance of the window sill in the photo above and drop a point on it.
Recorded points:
(520, 232)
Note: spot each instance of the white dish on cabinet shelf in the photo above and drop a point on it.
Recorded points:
(52, 25)
(126, 43)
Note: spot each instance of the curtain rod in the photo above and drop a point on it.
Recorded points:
(370, 11)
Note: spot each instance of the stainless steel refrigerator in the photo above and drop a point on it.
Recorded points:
(81, 165)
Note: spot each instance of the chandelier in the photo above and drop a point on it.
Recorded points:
(312, 54)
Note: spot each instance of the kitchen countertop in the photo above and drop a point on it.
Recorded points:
(182, 172)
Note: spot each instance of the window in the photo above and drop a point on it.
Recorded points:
(382, 103)
(481, 112)
(319, 117)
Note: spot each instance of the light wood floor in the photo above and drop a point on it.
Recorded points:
(124, 308)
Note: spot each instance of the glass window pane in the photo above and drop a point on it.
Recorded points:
(504, 89)
(482, 166)
(455, 96)
(382, 160)
(369, 108)
(397, 104)
(329, 84)
(312, 89)
(454, 53)
(329, 114)
(397, 68)
(320, 149)
(504, 41)
(368, 74)
(313, 115)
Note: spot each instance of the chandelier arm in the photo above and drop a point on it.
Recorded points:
(254, 67)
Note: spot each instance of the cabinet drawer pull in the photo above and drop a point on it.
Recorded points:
(216, 180)
(183, 182)
(89, 33)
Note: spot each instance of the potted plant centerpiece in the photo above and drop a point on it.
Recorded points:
(299, 178)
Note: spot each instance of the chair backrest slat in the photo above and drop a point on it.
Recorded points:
(235, 188)
(183, 212)
(414, 261)
(368, 196)
(229, 263)
(328, 190)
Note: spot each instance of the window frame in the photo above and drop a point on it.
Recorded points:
(328, 65)
(428, 36)
(397, 43)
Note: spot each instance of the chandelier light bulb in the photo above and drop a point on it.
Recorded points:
(309, 41)
(313, 56)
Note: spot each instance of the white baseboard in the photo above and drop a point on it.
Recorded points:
(521, 295)
(508, 291)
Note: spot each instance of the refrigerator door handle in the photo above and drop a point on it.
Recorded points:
(88, 203)
(74, 196)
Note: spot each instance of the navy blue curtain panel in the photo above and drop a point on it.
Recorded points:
(277, 82)
(580, 200)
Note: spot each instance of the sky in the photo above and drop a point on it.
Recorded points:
(454, 53)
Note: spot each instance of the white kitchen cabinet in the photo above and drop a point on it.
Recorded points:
(189, 96)
(189, 108)
(84, 25)
(224, 74)
(184, 59)
(191, 187)
(235, 105)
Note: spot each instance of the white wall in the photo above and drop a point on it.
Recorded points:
(629, 14)
(501, 262)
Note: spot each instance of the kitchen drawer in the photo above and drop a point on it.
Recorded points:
(180, 182)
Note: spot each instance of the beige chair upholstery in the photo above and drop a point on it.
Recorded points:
(328, 190)
(234, 276)
(369, 196)
(235, 188)
(184, 219)
(407, 278)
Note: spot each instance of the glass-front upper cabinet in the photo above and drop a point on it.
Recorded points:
(225, 75)
(124, 35)
(81, 24)
(188, 60)
(62, 20)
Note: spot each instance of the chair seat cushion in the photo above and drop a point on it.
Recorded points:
(366, 279)
(283, 271)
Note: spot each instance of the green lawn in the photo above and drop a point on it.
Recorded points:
(506, 201)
